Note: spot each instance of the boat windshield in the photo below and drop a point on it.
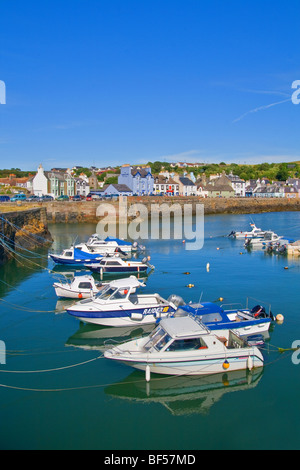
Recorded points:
(113, 293)
(158, 338)
(106, 293)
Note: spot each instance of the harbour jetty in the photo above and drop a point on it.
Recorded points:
(23, 229)
(86, 211)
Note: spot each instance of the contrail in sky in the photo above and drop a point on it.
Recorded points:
(260, 108)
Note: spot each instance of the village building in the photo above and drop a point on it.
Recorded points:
(217, 187)
(55, 183)
(139, 180)
(165, 185)
(238, 185)
(116, 190)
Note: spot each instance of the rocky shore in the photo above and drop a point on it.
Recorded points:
(23, 229)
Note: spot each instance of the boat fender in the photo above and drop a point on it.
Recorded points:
(250, 363)
(80, 295)
(147, 373)
(226, 364)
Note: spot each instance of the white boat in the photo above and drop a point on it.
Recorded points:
(269, 238)
(119, 305)
(80, 287)
(184, 346)
(118, 265)
(107, 246)
(255, 232)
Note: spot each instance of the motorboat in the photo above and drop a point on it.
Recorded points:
(107, 246)
(74, 257)
(245, 322)
(255, 232)
(80, 287)
(269, 238)
(119, 305)
(118, 265)
(185, 346)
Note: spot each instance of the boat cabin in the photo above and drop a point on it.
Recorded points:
(184, 333)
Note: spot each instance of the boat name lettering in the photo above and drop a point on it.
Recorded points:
(148, 311)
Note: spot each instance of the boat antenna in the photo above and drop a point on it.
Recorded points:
(73, 244)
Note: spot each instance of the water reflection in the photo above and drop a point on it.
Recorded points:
(100, 338)
(183, 395)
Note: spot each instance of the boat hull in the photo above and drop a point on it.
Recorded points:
(141, 316)
(72, 262)
(199, 366)
(73, 294)
(118, 269)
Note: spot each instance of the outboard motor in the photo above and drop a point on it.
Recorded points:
(176, 300)
(259, 312)
(118, 250)
(232, 234)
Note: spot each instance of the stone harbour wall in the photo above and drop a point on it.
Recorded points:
(86, 211)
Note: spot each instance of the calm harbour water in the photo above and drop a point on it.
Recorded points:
(97, 404)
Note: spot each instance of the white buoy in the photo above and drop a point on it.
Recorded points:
(250, 363)
(279, 318)
(207, 267)
(147, 374)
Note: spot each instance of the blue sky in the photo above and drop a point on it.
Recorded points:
(99, 82)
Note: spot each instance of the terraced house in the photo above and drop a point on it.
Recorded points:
(54, 183)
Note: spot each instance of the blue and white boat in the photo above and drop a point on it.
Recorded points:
(245, 322)
(118, 304)
(74, 257)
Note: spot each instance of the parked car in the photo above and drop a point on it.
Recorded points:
(63, 197)
(4, 198)
(76, 198)
(46, 197)
(18, 197)
(33, 198)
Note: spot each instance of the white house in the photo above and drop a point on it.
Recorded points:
(187, 187)
(82, 187)
(238, 185)
(40, 182)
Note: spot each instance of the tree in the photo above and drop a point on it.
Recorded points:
(112, 180)
(283, 172)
